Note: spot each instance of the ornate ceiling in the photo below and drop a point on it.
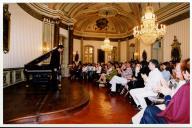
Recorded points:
(121, 17)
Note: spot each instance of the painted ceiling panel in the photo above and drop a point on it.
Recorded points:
(121, 17)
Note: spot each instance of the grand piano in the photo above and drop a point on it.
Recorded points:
(38, 71)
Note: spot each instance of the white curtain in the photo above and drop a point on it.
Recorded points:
(48, 35)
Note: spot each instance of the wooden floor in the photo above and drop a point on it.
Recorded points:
(101, 109)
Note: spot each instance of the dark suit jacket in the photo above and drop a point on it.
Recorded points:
(55, 59)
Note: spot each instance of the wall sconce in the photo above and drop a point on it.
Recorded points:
(46, 47)
(136, 54)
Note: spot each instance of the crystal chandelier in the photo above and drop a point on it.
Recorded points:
(149, 30)
(107, 46)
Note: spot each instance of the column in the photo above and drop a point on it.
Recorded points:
(56, 33)
(70, 44)
(65, 70)
(81, 52)
(119, 50)
(139, 52)
(127, 46)
(162, 49)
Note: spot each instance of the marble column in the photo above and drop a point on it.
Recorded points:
(70, 44)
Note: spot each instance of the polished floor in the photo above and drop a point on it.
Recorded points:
(33, 104)
(101, 109)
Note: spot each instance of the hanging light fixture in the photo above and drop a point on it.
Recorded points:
(149, 31)
(107, 47)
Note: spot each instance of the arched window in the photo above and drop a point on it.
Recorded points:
(88, 54)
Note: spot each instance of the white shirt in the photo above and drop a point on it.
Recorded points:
(153, 79)
(98, 69)
(89, 68)
(93, 68)
(84, 69)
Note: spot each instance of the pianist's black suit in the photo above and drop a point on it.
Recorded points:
(55, 66)
(55, 59)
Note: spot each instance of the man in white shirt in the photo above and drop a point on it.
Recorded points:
(152, 83)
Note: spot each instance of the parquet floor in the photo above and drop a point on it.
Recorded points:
(102, 108)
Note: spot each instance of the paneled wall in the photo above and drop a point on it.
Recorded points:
(77, 47)
(182, 31)
(13, 76)
(65, 71)
(95, 44)
(25, 38)
(123, 51)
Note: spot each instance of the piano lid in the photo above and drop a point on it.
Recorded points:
(39, 59)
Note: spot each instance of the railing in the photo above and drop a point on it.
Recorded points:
(12, 76)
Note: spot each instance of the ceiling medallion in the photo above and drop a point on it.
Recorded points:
(109, 10)
(102, 23)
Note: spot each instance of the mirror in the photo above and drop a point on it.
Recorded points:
(6, 28)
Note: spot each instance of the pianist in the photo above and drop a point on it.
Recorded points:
(55, 66)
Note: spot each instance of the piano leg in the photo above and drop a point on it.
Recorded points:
(27, 81)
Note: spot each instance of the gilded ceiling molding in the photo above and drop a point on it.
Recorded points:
(83, 16)
(76, 11)
(172, 10)
(177, 18)
(39, 16)
(137, 12)
(55, 14)
(102, 35)
(101, 39)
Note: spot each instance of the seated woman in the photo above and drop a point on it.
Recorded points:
(126, 76)
(111, 71)
(98, 69)
(177, 109)
(137, 81)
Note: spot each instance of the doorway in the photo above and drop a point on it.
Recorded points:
(100, 56)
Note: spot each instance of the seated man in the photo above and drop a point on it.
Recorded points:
(151, 82)
(177, 109)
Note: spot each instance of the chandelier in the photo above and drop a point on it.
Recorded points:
(149, 31)
(103, 24)
(107, 46)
